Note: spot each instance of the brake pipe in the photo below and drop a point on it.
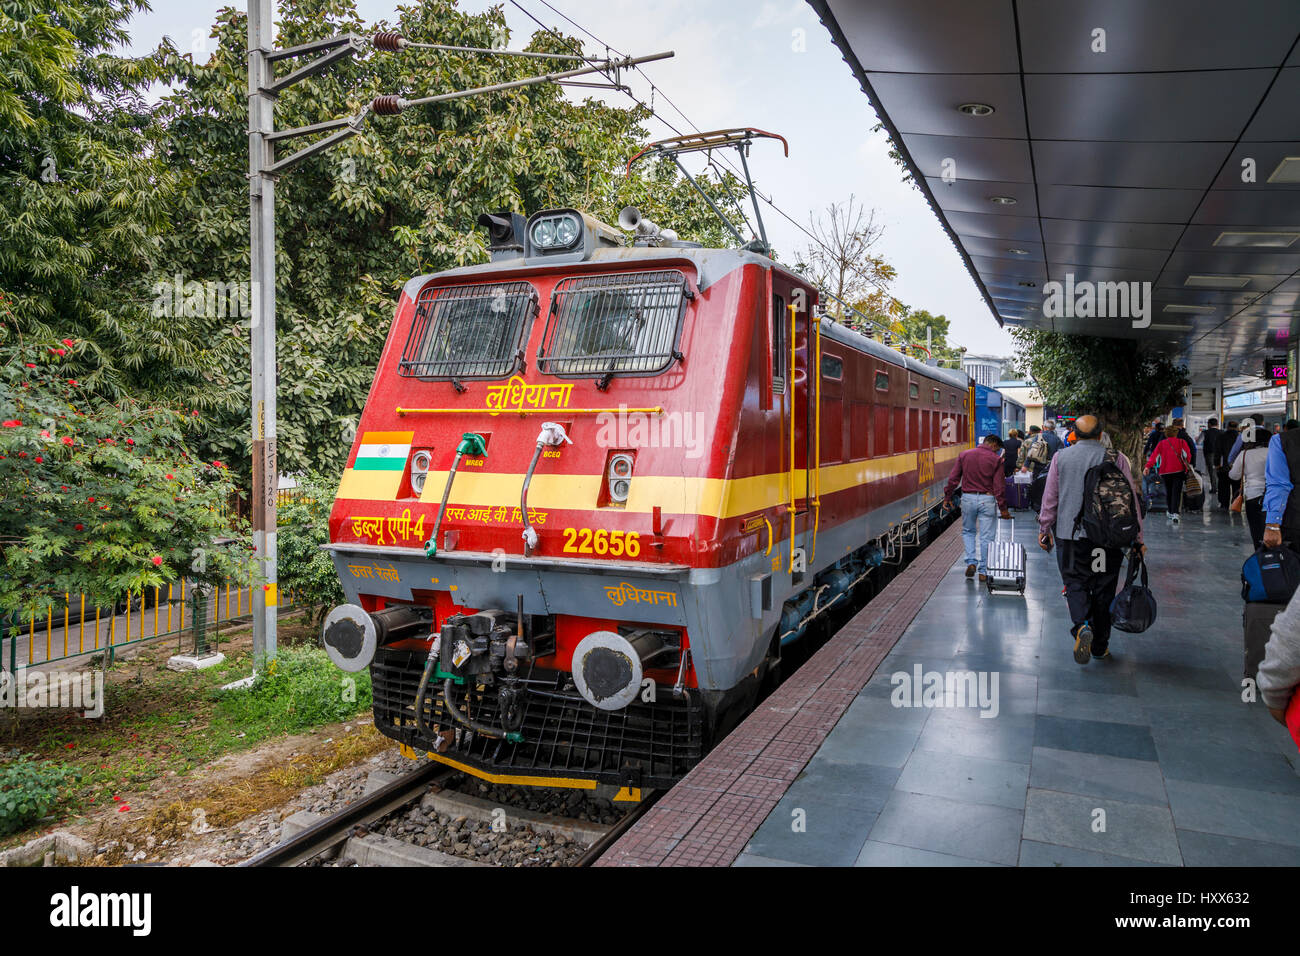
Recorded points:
(552, 434)
(471, 443)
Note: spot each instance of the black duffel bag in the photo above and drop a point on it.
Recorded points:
(1134, 607)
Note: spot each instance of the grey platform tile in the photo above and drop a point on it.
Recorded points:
(1096, 775)
(889, 854)
(975, 831)
(1132, 830)
(1008, 737)
(753, 859)
(832, 834)
(875, 713)
(1092, 677)
(1219, 728)
(887, 747)
(1210, 849)
(1195, 761)
(1096, 737)
(1086, 705)
(1033, 853)
(861, 786)
(998, 783)
(1229, 811)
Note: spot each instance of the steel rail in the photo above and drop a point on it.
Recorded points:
(597, 849)
(334, 829)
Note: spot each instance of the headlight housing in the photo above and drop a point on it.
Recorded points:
(619, 477)
(555, 232)
(420, 463)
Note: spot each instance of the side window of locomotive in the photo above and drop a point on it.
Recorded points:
(913, 390)
(832, 367)
(882, 381)
(779, 316)
(935, 396)
(471, 331)
(627, 323)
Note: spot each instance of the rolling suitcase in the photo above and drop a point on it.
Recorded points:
(1257, 624)
(1017, 493)
(1006, 560)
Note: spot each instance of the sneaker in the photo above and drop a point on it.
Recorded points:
(983, 578)
(1176, 519)
(1103, 656)
(1082, 644)
(970, 570)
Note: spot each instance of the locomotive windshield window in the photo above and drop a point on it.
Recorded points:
(471, 331)
(627, 323)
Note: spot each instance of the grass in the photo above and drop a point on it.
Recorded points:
(159, 723)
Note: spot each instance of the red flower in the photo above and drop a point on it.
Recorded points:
(91, 499)
(195, 413)
(123, 808)
(31, 365)
(130, 442)
(70, 746)
(67, 440)
(44, 433)
(157, 561)
(217, 464)
(38, 459)
(169, 477)
(81, 527)
(13, 423)
(69, 343)
(72, 381)
(59, 351)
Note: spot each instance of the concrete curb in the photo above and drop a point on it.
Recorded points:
(455, 804)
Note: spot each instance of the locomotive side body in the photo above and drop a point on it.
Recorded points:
(710, 494)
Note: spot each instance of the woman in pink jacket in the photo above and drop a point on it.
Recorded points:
(1171, 458)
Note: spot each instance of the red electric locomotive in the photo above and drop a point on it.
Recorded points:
(600, 484)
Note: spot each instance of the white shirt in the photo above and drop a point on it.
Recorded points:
(1250, 463)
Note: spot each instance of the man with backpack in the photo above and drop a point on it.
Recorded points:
(1090, 512)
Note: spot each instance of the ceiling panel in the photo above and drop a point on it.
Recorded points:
(1125, 164)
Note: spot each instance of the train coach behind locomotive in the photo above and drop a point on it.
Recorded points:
(599, 487)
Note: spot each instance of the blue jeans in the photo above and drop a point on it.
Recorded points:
(978, 513)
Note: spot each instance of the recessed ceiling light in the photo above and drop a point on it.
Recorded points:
(1288, 171)
(1028, 285)
(1003, 200)
(1173, 307)
(1258, 240)
(975, 109)
(1217, 282)
(1018, 252)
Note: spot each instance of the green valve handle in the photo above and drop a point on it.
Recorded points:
(471, 443)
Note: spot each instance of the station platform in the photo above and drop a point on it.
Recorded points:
(1149, 759)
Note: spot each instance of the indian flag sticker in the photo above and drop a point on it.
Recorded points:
(383, 451)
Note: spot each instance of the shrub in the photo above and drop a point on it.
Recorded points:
(29, 790)
(302, 527)
(300, 689)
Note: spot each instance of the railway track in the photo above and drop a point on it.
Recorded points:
(357, 818)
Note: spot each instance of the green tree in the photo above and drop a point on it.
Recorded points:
(1122, 381)
(101, 498)
(85, 195)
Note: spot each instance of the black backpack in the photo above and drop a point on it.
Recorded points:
(1109, 513)
(1134, 608)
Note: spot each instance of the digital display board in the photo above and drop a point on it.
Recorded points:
(1277, 371)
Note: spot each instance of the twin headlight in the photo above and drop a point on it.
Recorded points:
(620, 477)
(555, 232)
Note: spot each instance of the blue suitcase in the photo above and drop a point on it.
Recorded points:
(1017, 495)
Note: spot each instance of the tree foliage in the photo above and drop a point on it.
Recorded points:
(85, 195)
(100, 498)
(840, 261)
(1121, 381)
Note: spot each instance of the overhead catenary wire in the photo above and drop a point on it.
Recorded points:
(894, 300)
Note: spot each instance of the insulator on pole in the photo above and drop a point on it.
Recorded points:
(388, 40)
(387, 105)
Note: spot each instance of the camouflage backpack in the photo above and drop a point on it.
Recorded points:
(1109, 513)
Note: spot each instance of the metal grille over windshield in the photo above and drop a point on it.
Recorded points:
(472, 331)
(614, 324)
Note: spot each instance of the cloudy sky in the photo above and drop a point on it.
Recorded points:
(761, 63)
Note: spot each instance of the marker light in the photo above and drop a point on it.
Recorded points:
(420, 463)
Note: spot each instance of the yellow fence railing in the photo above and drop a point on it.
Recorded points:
(74, 628)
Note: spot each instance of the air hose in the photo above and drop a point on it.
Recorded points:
(452, 709)
(471, 443)
(551, 434)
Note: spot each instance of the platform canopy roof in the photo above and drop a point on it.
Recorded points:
(1133, 141)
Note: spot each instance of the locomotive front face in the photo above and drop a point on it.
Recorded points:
(583, 506)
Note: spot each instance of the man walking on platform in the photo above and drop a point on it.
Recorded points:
(1089, 571)
(1210, 447)
(1282, 490)
(983, 482)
